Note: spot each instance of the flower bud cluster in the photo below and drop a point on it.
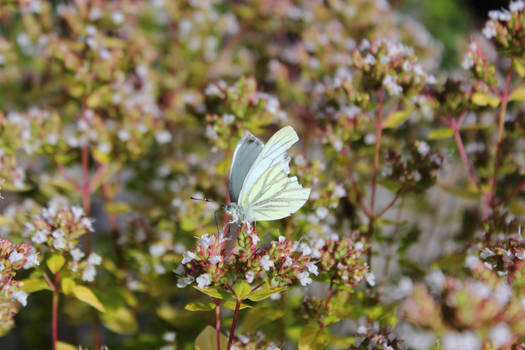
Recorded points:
(239, 103)
(415, 173)
(377, 338)
(342, 261)
(281, 263)
(483, 307)
(58, 230)
(13, 257)
(476, 62)
(506, 28)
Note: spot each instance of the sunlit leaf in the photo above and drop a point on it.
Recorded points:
(263, 293)
(396, 119)
(55, 262)
(207, 340)
(120, 320)
(34, 284)
(197, 306)
(86, 295)
(483, 100)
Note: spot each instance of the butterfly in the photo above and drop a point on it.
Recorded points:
(260, 188)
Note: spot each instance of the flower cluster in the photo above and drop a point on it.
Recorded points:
(252, 342)
(481, 310)
(374, 337)
(57, 230)
(13, 257)
(282, 263)
(506, 28)
(342, 261)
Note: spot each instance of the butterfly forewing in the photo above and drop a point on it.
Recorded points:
(248, 149)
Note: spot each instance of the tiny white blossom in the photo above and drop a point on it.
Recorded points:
(117, 17)
(188, 256)
(206, 240)
(305, 249)
(489, 31)
(184, 281)
(77, 254)
(215, 259)
(163, 136)
(88, 223)
(169, 337)
(304, 278)
(516, 6)
(287, 262)
(266, 263)
(89, 273)
(40, 236)
(322, 212)
(371, 279)
(20, 296)
(32, 260)
(500, 335)
(78, 212)
(94, 259)
(255, 238)
(312, 268)
(59, 243)
(159, 269)
(203, 280)
(157, 250)
(423, 148)
(228, 118)
(390, 84)
(250, 275)
(179, 270)
(282, 239)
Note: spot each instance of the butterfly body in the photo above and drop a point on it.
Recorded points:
(260, 189)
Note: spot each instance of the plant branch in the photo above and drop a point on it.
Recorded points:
(510, 195)
(501, 122)
(218, 323)
(455, 125)
(392, 202)
(234, 323)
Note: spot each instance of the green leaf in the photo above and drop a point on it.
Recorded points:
(397, 118)
(308, 338)
(200, 306)
(120, 320)
(117, 208)
(55, 262)
(518, 95)
(65, 346)
(257, 317)
(263, 293)
(438, 134)
(482, 99)
(207, 340)
(213, 292)
(67, 285)
(87, 296)
(230, 304)
(242, 289)
(518, 67)
(34, 284)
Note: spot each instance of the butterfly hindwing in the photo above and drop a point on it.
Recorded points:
(274, 195)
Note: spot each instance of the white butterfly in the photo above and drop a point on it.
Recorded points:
(260, 189)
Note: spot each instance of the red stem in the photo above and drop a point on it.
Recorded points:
(54, 324)
(234, 323)
(392, 202)
(379, 130)
(503, 109)
(455, 125)
(512, 194)
(86, 194)
(64, 174)
(218, 324)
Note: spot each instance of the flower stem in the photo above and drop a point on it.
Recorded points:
(218, 324)
(234, 323)
(54, 322)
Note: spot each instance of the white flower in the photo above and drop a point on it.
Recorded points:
(339, 192)
(117, 17)
(212, 90)
(205, 241)
(516, 6)
(59, 243)
(89, 273)
(486, 253)
(500, 335)
(159, 269)
(390, 84)
(287, 262)
(471, 261)
(423, 148)
(333, 237)
(203, 280)
(78, 212)
(272, 346)
(281, 239)
(250, 275)
(157, 250)
(77, 254)
(32, 260)
(255, 238)
(94, 259)
(322, 212)
(15, 256)
(305, 249)
(228, 118)
(215, 259)
(489, 31)
(163, 136)
(370, 60)
(266, 263)
(88, 223)
(359, 246)
(304, 278)
(21, 296)
(179, 270)
(188, 256)
(312, 268)
(461, 341)
(169, 337)
(371, 279)
(123, 135)
(58, 234)
(184, 281)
